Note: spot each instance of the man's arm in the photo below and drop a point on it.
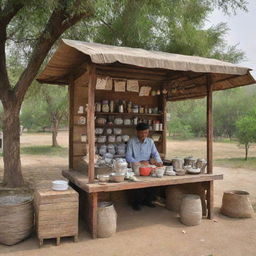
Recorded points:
(128, 155)
(154, 153)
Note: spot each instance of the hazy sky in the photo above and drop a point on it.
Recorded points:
(242, 32)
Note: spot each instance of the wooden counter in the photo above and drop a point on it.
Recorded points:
(91, 190)
(81, 180)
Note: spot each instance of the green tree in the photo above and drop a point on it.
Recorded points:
(246, 131)
(30, 28)
(46, 106)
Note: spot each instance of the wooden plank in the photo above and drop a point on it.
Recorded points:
(71, 122)
(81, 181)
(58, 206)
(93, 204)
(209, 126)
(90, 121)
(45, 196)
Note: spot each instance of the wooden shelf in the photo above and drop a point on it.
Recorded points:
(114, 126)
(119, 126)
(126, 114)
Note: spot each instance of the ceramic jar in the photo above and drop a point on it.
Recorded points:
(191, 210)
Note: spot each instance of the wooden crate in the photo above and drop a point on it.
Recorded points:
(56, 214)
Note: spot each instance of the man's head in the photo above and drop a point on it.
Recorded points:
(142, 131)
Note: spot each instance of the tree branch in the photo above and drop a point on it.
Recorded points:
(6, 15)
(9, 11)
(58, 23)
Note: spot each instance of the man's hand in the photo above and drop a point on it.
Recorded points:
(144, 162)
(159, 164)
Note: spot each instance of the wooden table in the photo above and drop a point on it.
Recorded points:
(80, 180)
(56, 214)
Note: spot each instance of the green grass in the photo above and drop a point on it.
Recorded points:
(44, 150)
(250, 163)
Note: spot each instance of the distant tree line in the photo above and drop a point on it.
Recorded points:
(234, 116)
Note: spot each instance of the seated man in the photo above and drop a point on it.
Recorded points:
(142, 149)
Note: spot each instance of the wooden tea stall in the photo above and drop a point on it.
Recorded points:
(97, 73)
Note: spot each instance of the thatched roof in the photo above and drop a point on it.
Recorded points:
(185, 76)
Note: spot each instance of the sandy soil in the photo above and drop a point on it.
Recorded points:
(152, 231)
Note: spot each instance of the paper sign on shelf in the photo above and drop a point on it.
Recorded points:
(132, 86)
(144, 91)
(119, 85)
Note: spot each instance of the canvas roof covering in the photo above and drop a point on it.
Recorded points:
(71, 54)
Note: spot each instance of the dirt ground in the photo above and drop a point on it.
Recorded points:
(154, 231)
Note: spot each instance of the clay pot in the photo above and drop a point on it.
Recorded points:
(236, 204)
(190, 161)
(191, 210)
(174, 195)
(201, 163)
(107, 218)
(177, 163)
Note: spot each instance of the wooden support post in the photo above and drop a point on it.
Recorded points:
(164, 125)
(90, 121)
(209, 126)
(71, 121)
(210, 200)
(93, 205)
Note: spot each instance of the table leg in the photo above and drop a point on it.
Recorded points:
(210, 199)
(93, 204)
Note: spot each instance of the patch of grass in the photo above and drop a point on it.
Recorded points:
(225, 140)
(44, 150)
(250, 163)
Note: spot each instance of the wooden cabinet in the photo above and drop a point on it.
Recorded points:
(56, 214)
(79, 99)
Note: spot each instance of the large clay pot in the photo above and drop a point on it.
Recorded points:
(16, 216)
(107, 218)
(174, 195)
(236, 204)
(191, 210)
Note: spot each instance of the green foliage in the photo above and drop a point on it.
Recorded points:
(246, 130)
(172, 26)
(188, 118)
(44, 104)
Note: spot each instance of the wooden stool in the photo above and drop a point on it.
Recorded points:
(56, 214)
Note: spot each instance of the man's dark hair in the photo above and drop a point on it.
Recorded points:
(142, 127)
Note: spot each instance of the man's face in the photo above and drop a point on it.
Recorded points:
(142, 135)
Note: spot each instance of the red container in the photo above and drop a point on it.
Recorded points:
(145, 171)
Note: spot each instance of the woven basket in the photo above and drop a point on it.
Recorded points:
(16, 217)
(237, 204)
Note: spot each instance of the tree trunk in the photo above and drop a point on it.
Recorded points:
(55, 127)
(246, 151)
(11, 151)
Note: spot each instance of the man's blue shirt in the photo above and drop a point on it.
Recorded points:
(141, 151)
